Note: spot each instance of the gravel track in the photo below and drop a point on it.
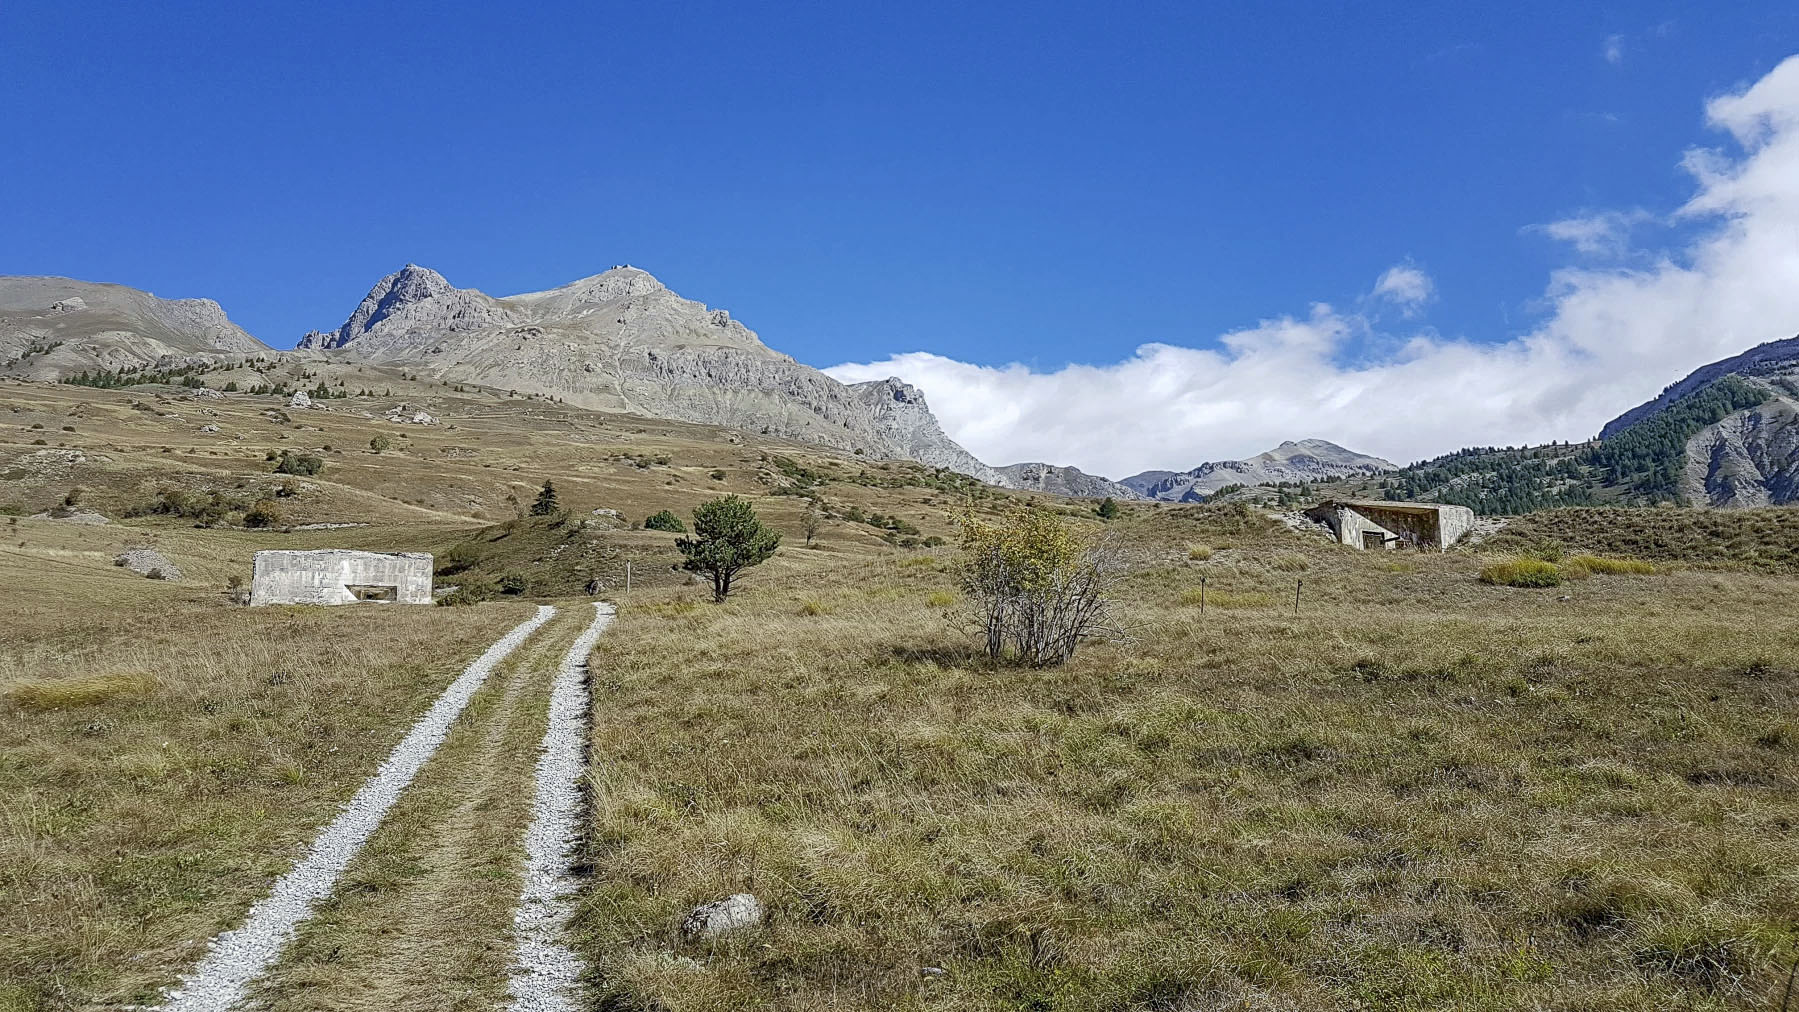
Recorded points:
(238, 957)
(544, 978)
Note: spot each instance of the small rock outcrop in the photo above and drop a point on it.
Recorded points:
(300, 399)
(709, 920)
(1069, 481)
(148, 562)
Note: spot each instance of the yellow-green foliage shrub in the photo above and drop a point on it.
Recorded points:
(942, 599)
(1523, 573)
(1199, 553)
(88, 690)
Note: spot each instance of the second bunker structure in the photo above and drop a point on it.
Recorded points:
(340, 576)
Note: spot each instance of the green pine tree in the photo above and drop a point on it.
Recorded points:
(728, 538)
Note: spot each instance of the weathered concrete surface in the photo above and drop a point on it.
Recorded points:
(1413, 524)
(340, 576)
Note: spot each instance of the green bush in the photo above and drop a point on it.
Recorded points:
(513, 583)
(299, 463)
(665, 521)
(264, 514)
(1522, 573)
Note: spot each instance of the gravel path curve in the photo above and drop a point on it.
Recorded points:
(235, 958)
(544, 978)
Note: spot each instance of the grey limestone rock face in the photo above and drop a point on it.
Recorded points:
(56, 327)
(1069, 481)
(622, 341)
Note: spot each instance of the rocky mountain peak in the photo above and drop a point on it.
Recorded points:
(417, 296)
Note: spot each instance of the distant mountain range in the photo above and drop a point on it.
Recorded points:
(621, 341)
(1307, 460)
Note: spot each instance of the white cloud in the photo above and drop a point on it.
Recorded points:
(1613, 50)
(1611, 338)
(1405, 286)
(1597, 233)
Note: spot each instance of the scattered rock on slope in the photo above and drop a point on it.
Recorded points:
(148, 562)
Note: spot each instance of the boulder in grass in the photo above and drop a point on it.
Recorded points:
(709, 920)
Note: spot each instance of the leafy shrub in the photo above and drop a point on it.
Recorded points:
(263, 514)
(513, 583)
(381, 444)
(665, 521)
(469, 592)
(1522, 573)
(457, 559)
(304, 464)
(1199, 553)
(1038, 585)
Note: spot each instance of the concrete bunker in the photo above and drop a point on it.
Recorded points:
(340, 576)
(1374, 524)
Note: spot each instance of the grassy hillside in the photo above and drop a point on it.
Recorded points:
(1407, 789)
(1640, 466)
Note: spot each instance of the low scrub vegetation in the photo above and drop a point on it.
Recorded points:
(1037, 584)
(1523, 573)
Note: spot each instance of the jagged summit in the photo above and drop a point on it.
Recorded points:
(393, 294)
(620, 340)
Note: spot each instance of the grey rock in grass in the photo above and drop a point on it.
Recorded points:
(148, 562)
(709, 920)
(300, 399)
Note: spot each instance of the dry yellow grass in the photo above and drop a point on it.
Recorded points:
(136, 826)
(1414, 791)
(1417, 792)
(80, 690)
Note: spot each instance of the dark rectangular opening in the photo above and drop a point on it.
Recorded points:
(369, 592)
(1373, 540)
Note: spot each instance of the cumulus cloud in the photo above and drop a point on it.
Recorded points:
(1405, 286)
(1611, 336)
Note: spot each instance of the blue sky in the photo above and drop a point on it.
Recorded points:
(1039, 184)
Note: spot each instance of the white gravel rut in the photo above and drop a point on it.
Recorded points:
(236, 958)
(545, 976)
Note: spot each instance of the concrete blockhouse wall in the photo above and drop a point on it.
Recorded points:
(1420, 525)
(1352, 525)
(338, 576)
